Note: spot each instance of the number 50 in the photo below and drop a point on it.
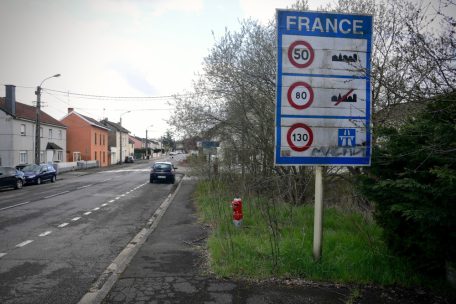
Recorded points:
(299, 54)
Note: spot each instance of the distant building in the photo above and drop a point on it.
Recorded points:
(138, 142)
(87, 138)
(17, 133)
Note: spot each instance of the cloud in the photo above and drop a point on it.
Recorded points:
(263, 10)
(137, 8)
(134, 78)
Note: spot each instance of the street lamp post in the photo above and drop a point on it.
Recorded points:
(120, 133)
(38, 122)
(147, 151)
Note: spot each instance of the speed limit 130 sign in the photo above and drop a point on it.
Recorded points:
(323, 102)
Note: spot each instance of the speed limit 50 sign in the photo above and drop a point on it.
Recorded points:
(323, 94)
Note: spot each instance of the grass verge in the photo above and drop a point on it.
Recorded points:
(275, 240)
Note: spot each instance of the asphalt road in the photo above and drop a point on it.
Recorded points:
(57, 238)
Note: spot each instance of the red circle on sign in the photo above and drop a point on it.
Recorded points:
(290, 97)
(309, 141)
(291, 50)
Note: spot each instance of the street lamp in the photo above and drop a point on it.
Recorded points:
(120, 132)
(147, 151)
(38, 114)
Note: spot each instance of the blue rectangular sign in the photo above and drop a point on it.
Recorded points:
(323, 94)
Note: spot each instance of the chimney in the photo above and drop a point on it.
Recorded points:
(70, 110)
(10, 99)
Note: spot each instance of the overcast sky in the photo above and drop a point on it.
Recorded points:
(137, 48)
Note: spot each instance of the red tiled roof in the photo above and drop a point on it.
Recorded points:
(28, 112)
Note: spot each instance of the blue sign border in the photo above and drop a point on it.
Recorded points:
(366, 29)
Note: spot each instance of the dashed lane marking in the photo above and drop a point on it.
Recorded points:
(45, 233)
(24, 243)
(82, 187)
(49, 196)
(17, 205)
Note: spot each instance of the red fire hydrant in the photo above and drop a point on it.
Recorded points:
(236, 204)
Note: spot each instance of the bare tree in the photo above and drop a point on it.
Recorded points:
(233, 100)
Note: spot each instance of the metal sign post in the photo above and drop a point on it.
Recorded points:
(318, 213)
(323, 95)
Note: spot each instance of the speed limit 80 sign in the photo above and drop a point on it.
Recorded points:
(323, 101)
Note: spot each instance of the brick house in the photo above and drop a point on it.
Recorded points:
(87, 138)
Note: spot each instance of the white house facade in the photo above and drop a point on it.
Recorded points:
(118, 141)
(17, 135)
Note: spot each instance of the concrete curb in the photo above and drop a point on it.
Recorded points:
(100, 289)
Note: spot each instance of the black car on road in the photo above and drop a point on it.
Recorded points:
(36, 174)
(163, 172)
(10, 177)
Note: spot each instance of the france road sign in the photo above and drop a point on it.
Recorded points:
(323, 98)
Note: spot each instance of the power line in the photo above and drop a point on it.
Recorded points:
(92, 96)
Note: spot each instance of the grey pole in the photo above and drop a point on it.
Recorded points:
(318, 213)
(37, 125)
(38, 120)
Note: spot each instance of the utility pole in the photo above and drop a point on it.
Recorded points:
(120, 135)
(37, 125)
(147, 152)
(120, 131)
(38, 121)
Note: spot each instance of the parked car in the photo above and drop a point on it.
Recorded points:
(36, 174)
(129, 159)
(21, 166)
(11, 177)
(163, 171)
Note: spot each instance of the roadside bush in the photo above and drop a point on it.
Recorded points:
(412, 181)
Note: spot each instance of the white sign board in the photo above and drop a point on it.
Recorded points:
(323, 104)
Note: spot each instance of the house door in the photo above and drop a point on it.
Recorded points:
(49, 156)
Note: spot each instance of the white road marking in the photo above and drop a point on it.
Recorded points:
(62, 225)
(2, 254)
(45, 233)
(117, 198)
(88, 212)
(102, 205)
(111, 201)
(56, 194)
(17, 205)
(82, 187)
(76, 218)
(126, 170)
(122, 195)
(95, 209)
(24, 243)
(106, 180)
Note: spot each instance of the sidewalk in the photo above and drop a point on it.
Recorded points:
(169, 268)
